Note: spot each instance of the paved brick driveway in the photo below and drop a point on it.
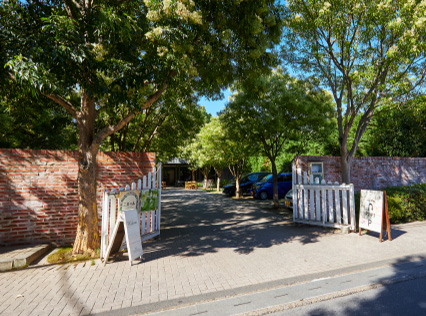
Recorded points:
(211, 246)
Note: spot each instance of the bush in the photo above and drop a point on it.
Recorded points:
(224, 182)
(405, 204)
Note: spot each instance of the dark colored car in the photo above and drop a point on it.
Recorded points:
(264, 189)
(288, 199)
(245, 183)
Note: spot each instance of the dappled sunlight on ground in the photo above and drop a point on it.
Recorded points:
(195, 223)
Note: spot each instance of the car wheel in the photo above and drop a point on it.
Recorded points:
(263, 195)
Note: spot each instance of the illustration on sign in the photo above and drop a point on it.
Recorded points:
(129, 200)
(371, 210)
(149, 200)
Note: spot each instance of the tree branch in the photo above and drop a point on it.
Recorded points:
(107, 131)
(147, 113)
(147, 143)
(64, 103)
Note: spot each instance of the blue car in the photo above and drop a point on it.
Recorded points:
(264, 189)
(245, 183)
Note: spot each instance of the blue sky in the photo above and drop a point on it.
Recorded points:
(213, 107)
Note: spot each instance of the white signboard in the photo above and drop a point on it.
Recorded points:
(371, 210)
(133, 233)
(128, 225)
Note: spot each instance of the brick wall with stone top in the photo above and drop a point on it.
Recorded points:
(38, 191)
(371, 172)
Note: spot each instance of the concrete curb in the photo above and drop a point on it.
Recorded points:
(22, 256)
(330, 296)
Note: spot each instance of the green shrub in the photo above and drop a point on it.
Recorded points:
(405, 204)
(224, 182)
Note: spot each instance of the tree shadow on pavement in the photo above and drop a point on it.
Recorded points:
(401, 294)
(196, 223)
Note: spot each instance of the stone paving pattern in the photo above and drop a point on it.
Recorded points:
(209, 243)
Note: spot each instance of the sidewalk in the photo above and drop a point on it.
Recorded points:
(211, 247)
(20, 257)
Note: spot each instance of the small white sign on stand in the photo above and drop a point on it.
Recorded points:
(127, 226)
(373, 213)
(371, 210)
(133, 234)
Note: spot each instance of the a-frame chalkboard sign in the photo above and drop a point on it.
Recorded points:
(126, 226)
(373, 213)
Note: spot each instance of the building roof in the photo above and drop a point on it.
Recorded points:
(176, 161)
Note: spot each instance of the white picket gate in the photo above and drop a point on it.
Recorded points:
(329, 205)
(150, 219)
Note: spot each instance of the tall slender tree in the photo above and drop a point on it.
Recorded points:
(213, 142)
(276, 109)
(368, 53)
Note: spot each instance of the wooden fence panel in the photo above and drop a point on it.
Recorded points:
(345, 207)
(317, 205)
(322, 204)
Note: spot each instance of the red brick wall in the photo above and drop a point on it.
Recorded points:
(372, 172)
(38, 191)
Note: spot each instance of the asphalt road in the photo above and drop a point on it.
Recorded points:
(389, 290)
(404, 298)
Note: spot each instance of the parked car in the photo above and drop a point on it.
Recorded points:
(245, 183)
(264, 189)
(288, 199)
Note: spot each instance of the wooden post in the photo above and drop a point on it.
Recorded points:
(386, 217)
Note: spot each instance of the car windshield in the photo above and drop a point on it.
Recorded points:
(266, 179)
(244, 179)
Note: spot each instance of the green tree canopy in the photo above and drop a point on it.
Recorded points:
(213, 141)
(117, 52)
(238, 149)
(162, 128)
(31, 121)
(276, 109)
(368, 53)
(399, 132)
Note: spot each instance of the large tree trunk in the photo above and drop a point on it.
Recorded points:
(87, 238)
(345, 164)
(345, 156)
(274, 183)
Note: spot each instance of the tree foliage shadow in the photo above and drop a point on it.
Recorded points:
(395, 297)
(29, 202)
(197, 223)
(32, 202)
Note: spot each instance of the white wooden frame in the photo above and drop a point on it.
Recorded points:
(150, 220)
(325, 204)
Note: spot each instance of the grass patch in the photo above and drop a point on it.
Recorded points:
(64, 255)
(405, 204)
(211, 190)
